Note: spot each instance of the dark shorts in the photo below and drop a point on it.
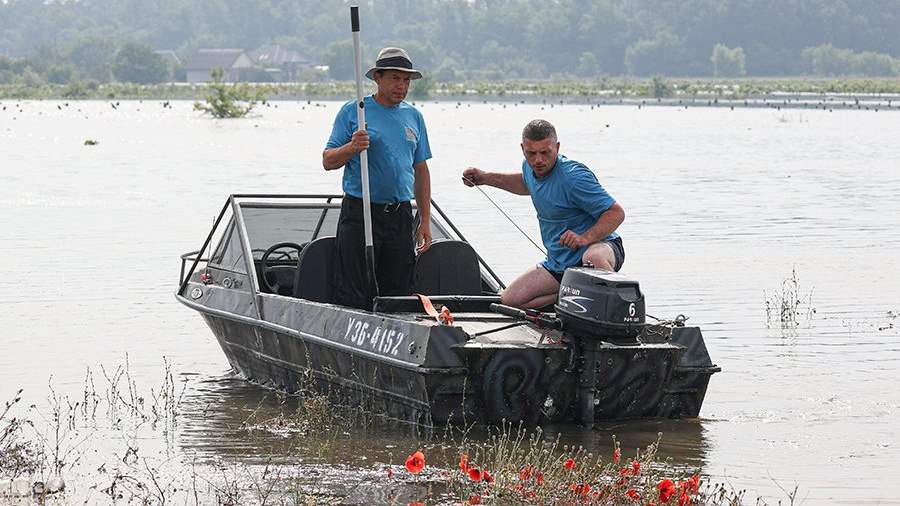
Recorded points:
(395, 256)
(618, 253)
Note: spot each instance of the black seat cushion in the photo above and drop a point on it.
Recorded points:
(448, 268)
(313, 280)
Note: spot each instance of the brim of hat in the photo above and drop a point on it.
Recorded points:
(415, 73)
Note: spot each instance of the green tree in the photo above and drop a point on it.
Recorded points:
(421, 88)
(588, 66)
(728, 62)
(136, 63)
(229, 100)
(663, 54)
(339, 57)
(660, 87)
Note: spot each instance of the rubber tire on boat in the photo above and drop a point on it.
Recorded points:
(509, 386)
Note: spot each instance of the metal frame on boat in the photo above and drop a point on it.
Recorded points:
(274, 317)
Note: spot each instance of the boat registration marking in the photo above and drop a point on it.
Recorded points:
(374, 337)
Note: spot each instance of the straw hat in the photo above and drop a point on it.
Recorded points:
(393, 58)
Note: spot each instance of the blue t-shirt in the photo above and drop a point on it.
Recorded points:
(569, 198)
(397, 141)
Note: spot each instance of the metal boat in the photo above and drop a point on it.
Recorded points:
(262, 281)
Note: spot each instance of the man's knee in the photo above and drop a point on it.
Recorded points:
(512, 297)
(600, 256)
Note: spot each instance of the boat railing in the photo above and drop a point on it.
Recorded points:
(196, 257)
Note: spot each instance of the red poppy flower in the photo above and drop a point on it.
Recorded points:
(693, 484)
(625, 471)
(415, 463)
(530, 494)
(632, 493)
(666, 490)
(684, 499)
(616, 455)
(474, 474)
(464, 463)
(569, 464)
(525, 473)
(635, 468)
(486, 476)
(475, 499)
(539, 478)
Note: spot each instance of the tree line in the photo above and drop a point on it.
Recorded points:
(60, 41)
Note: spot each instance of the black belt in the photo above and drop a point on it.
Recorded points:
(386, 207)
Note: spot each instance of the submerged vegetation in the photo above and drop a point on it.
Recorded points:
(460, 466)
(790, 306)
(233, 100)
(226, 100)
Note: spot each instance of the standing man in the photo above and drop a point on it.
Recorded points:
(578, 218)
(398, 149)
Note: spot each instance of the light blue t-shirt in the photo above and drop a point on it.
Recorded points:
(397, 141)
(569, 198)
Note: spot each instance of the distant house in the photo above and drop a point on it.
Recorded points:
(281, 63)
(232, 61)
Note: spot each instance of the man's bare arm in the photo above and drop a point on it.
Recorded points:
(511, 182)
(606, 224)
(422, 189)
(335, 158)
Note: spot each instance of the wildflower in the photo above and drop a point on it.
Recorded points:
(415, 463)
(569, 464)
(474, 474)
(632, 493)
(666, 490)
(390, 473)
(635, 468)
(684, 499)
(539, 478)
(475, 499)
(581, 489)
(525, 473)
(693, 484)
(625, 471)
(486, 476)
(530, 494)
(616, 455)
(464, 463)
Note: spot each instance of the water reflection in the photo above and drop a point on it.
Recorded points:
(226, 417)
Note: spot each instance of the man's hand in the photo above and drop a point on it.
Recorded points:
(423, 237)
(473, 176)
(359, 141)
(572, 240)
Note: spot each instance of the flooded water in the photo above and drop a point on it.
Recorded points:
(723, 207)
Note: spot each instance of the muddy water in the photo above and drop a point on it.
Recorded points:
(722, 208)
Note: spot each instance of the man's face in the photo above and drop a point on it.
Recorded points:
(541, 155)
(392, 85)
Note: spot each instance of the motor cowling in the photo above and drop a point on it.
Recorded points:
(594, 303)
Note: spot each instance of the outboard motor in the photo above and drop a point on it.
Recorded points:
(600, 304)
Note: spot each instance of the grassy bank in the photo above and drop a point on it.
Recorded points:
(584, 91)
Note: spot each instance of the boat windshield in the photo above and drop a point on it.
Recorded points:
(267, 225)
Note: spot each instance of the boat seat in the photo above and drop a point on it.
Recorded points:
(313, 279)
(449, 267)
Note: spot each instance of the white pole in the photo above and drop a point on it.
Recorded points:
(363, 155)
